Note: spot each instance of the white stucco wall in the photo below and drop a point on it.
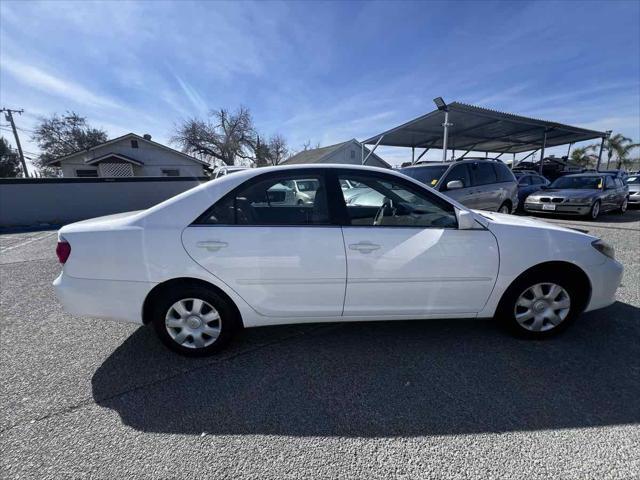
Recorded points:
(155, 159)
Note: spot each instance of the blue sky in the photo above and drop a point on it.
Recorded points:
(323, 72)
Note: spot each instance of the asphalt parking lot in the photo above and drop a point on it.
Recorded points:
(85, 398)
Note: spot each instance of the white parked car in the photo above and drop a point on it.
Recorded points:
(227, 170)
(219, 257)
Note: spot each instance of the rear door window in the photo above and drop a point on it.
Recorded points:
(536, 180)
(609, 182)
(524, 181)
(272, 201)
(503, 173)
(482, 173)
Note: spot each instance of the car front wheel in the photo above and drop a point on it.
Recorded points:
(194, 321)
(595, 210)
(540, 305)
(504, 208)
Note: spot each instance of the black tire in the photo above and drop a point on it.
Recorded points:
(229, 322)
(505, 206)
(506, 312)
(623, 207)
(594, 213)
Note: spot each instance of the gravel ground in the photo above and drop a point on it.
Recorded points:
(85, 398)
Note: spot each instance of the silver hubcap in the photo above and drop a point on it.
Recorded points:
(596, 210)
(504, 209)
(542, 307)
(193, 323)
(624, 206)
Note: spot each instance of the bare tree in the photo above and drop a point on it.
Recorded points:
(278, 150)
(225, 136)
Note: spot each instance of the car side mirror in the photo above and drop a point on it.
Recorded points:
(455, 184)
(466, 220)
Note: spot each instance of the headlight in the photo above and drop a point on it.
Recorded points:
(581, 200)
(604, 248)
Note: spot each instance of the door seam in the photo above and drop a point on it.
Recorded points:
(346, 270)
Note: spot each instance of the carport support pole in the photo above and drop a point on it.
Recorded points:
(372, 150)
(544, 144)
(600, 154)
(446, 136)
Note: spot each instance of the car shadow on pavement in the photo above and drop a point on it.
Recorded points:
(383, 379)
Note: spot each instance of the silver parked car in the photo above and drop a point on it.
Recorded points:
(633, 182)
(587, 194)
(482, 184)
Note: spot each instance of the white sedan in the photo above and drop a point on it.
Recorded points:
(222, 256)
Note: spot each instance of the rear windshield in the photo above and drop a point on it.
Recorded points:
(589, 183)
(429, 174)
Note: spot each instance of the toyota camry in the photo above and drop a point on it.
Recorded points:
(230, 254)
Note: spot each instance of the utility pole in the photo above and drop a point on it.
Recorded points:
(9, 116)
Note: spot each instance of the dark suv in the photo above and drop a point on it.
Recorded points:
(484, 184)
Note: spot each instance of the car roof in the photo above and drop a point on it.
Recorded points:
(433, 163)
(589, 174)
(429, 163)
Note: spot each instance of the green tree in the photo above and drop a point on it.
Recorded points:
(581, 156)
(9, 161)
(617, 145)
(58, 136)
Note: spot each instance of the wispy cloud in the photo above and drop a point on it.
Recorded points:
(192, 94)
(55, 85)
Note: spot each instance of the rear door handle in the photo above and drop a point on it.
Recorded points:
(364, 247)
(212, 245)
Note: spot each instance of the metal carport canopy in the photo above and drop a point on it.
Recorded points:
(482, 130)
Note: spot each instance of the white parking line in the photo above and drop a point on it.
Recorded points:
(27, 242)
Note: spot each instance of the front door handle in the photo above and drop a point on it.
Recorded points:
(212, 245)
(364, 247)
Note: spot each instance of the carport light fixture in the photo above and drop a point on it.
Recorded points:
(440, 103)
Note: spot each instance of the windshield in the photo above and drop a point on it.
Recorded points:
(635, 180)
(428, 174)
(583, 183)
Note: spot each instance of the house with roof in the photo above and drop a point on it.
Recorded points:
(130, 155)
(349, 152)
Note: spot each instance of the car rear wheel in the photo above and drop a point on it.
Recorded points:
(595, 210)
(624, 206)
(194, 321)
(541, 305)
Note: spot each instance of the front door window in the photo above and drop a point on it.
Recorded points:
(387, 202)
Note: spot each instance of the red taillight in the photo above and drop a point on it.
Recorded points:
(63, 250)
